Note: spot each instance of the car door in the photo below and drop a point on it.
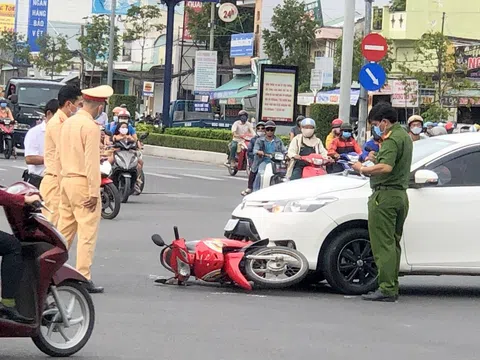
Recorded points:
(440, 230)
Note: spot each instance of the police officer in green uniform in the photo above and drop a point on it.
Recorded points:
(388, 205)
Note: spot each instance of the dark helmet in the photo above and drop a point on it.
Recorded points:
(346, 126)
(270, 124)
(242, 112)
(260, 123)
(300, 118)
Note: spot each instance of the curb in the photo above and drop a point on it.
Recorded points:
(185, 154)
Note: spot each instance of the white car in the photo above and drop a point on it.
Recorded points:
(325, 217)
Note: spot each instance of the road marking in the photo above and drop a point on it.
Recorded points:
(235, 178)
(162, 175)
(3, 169)
(202, 177)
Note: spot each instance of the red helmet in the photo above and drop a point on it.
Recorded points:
(449, 126)
(337, 123)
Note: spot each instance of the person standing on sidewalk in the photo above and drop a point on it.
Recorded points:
(80, 205)
(388, 205)
(69, 101)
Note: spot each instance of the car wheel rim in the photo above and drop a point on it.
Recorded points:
(356, 263)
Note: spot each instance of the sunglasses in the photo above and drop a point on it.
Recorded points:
(260, 128)
(270, 129)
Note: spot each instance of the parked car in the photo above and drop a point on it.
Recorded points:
(27, 100)
(325, 217)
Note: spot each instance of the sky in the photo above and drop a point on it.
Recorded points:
(333, 9)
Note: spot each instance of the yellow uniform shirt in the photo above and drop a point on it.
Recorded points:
(51, 157)
(79, 150)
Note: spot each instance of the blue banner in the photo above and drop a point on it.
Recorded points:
(242, 45)
(37, 22)
(105, 6)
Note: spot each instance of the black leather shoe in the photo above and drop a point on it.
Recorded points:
(12, 314)
(92, 289)
(379, 296)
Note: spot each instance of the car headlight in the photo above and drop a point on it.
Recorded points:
(301, 205)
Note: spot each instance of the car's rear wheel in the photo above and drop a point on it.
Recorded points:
(348, 263)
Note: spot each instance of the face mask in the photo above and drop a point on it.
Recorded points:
(115, 118)
(308, 133)
(346, 134)
(3, 105)
(124, 131)
(243, 119)
(416, 130)
(261, 133)
(377, 131)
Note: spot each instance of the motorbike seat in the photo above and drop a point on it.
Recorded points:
(191, 245)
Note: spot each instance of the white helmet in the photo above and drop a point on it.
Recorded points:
(308, 122)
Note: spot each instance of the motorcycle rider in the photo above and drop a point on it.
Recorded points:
(415, 127)
(241, 129)
(296, 130)
(335, 133)
(303, 144)
(5, 113)
(12, 269)
(345, 143)
(260, 128)
(267, 145)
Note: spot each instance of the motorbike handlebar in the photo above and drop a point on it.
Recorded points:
(37, 205)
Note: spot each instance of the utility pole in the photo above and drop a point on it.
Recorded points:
(440, 65)
(363, 105)
(212, 26)
(111, 44)
(347, 61)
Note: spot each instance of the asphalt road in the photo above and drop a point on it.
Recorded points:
(436, 318)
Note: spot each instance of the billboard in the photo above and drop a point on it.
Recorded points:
(7, 17)
(205, 72)
(101, 7)
(242, 45)
(37, 22)
(195, 6)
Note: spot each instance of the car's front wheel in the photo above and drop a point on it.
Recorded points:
(348, 263)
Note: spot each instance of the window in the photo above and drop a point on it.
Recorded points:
(461, 171)
(258, 15)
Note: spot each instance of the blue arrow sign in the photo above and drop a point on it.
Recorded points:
(372, 77)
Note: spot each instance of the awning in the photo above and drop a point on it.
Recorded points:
(244, 94)
(232, 87)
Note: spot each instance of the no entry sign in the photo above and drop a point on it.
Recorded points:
(374, 47)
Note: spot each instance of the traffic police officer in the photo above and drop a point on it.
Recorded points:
(388, 205)
(80, 205)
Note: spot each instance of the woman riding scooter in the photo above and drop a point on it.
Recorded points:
(303, 144)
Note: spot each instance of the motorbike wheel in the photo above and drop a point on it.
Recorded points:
(110, 200)
(232, 170)
(124, 187)
(8, 148)
(53, 337)
(289, 268)
(142, 179)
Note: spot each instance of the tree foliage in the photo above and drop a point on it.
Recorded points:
(200, 31)
(289, 41)
(435, 69)
(358, 58)
(95, 42)
(14, 50)
(54, 55)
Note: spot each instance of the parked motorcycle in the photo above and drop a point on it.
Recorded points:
(275, 171)
(314, 165)
(226, 261)
(7, 130)
(241, 159)
(125, 169)
(111, 200)
(51, 292)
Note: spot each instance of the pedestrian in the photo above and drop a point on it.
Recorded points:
(80, 205)
(69, 101)
(34, 145)
(388, 205)
(102, 119)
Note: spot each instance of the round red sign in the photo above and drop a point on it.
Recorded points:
(374, 47)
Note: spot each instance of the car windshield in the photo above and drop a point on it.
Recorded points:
(37, 95)
(427, 147)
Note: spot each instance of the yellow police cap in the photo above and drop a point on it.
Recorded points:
(98, 94)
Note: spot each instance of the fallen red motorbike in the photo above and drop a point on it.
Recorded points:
(241, 162)
(51, 291)
(315, 165)
(226, 261)
(7, 129)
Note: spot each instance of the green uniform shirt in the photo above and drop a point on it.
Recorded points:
(396, 151)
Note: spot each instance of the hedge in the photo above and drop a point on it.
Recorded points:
(323, 116)
(187, 142)
(117, 100)
(217, 134)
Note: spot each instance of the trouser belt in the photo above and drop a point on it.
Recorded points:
(387, 187)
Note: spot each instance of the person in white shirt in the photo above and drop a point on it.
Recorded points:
(241, 129)
(34, 147)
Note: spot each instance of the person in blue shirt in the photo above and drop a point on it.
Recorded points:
(374, 143)
(123, 117)
(260, 128)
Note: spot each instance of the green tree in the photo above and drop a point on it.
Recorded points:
(200, 31)
(434, 66)
(398, 5)
(13, 50)
(95, 42)
(140, 22)
(358, 58)
(289, 41)
(54, 55)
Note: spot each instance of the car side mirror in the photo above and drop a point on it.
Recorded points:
(14, 98)
(424, 178)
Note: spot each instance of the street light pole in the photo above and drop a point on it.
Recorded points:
(347, 61)
(111, 44)
(363, 106)
(212, 26)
